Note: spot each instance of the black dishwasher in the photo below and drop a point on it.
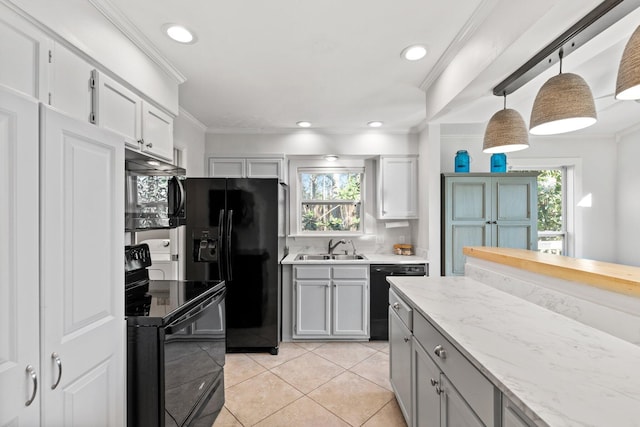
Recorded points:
(379, 295)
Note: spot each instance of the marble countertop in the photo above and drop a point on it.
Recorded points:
(558, 371)
(370, 259)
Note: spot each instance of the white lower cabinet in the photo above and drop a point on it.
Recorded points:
(331, 301)
(62, 335)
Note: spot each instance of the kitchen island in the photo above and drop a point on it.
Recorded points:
(546, 366)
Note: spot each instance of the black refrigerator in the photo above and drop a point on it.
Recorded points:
(234, 231)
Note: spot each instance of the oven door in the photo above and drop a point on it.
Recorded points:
(194, 355)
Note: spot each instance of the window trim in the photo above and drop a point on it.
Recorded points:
(320, 166)
(571, 174)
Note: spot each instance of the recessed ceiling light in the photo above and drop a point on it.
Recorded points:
(331, 157)
(414, 52)
(304, 124)
(374, 124)
(179, 33)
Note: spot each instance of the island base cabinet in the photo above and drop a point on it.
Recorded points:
(426, 397)
(454, 410)
(400, 363)
(512, 416)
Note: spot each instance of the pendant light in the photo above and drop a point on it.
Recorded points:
(628, 82)
(563, 104)
(505, 132)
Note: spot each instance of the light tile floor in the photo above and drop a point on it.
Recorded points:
(311, 384)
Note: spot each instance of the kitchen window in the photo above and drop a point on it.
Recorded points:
(329, 200)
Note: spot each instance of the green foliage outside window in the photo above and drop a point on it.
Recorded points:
(331, 201)
(550, 200)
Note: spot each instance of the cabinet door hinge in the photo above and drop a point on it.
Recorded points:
(50, 56)
(49, 98)
(92, 118)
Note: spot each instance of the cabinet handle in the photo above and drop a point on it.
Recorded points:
(32, 373)
(440, 352)
(434, 382)
(406, 339)
(396, 306)
(56, 358)
(150, 145)
(141, 141)
(439, 390)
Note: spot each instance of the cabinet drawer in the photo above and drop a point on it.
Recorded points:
(312, 272)
(351, 272)
(470, 383)
(401, 308)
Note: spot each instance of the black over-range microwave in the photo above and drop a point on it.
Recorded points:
(154, 193)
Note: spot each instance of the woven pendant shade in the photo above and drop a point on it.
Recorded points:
(628, 82)
(563, 104)
(505, 132)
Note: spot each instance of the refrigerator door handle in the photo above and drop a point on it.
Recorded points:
(228, 257)
(220, 249)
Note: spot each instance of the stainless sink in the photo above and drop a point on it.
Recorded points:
(327, 257)
(346, 257)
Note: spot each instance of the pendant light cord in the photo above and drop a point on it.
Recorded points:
(560, 54)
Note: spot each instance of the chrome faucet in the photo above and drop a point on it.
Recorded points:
(331, 246)
(353, 245)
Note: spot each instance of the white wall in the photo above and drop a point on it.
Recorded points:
(308, 142)
(598, 159)
(189, 137)
(628, 199)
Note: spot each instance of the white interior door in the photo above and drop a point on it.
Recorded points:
(82, 271)
(19, 305)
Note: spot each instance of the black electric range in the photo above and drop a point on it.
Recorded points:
(175, 346)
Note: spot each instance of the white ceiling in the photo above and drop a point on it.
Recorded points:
(264, 65)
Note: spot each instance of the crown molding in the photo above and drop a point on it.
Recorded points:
(479, 15)
(126, 27)
(190, 117)
(626, 132)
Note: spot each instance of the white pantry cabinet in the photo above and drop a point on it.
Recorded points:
(63, 308)
(397, 187)
(141, 125)
(19, 274)
(331, 301)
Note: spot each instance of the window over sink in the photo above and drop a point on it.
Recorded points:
(328, 200)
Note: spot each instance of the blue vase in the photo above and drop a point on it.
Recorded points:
(462, 161)
(498, 162)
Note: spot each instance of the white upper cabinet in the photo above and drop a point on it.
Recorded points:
(70, 83)
(398, 187)
(157, 132)
(118, 109)
(246, 167)
(141, 125)
(24, 53)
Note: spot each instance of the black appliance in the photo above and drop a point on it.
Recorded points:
(379, 295)
(175, 347)
(154, 194)
(232, 234)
